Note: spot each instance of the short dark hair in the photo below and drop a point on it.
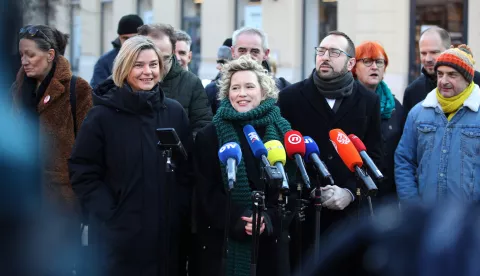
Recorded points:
(158, 31)
(444, 35)
(350, 47)
(46, 38)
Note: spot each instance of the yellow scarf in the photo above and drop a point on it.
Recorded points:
(451, 105)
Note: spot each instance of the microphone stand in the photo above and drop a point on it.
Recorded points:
(258, 205)
(371, 188)
(223, 267)
(318, 213)
(170, 171)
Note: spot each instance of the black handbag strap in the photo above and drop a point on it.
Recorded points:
(73, 103)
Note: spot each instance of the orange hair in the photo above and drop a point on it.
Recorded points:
(369, 49)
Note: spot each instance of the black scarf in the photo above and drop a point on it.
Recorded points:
(31, 95)
(337, 88)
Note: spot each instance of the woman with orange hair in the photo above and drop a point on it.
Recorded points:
(369, 71)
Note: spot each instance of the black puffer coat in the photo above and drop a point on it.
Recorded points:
(118, 172)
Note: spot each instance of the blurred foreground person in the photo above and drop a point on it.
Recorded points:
(118, 171)
(372, 61)
(248, 96)
(46, 90)
(428, 240)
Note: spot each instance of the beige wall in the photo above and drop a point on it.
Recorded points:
(473, 30)
(282, 21)
(167, 11)
(217, 24)
(123, 7)
(386, 22)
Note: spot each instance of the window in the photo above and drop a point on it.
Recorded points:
(191, 23)
(447, 14)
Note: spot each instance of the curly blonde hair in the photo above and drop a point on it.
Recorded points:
(246, 63)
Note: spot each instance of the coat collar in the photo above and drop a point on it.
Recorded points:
(472, 102)
(58, 84)
(318, 102)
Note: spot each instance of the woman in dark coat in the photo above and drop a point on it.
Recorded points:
(42, 93)
(369, 71)
(248, 96)
(118, 171)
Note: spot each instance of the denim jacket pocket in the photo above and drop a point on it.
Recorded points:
(470, 162)
(426, 137)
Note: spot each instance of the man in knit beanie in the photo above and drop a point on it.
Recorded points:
(127, 27)
(224, 55)
(437, 157)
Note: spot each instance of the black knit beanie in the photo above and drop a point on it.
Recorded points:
(129, 24)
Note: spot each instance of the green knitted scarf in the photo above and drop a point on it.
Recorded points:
(267, 115)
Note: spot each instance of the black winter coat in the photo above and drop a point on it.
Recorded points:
(392, 130)
(103, 67)
(118, 172)
(420, 87)
(186, 88)
(308, 112)
(211, 207)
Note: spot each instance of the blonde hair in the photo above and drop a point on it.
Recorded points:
(128, 54)
(246, 63)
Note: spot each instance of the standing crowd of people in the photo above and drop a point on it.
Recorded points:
(159, 212)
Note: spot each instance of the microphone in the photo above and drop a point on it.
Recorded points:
(312, 155)
(349, 155)
(278, 158)
(256, 144)
(295, 147)
(260, 152)
(363, 153)
(230, 155)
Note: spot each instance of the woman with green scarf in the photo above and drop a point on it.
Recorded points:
(247, 96)
(369, 71)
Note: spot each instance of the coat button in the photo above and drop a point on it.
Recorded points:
(330, 157)
(208, 227)
(444, 151)
(390, 127)
(204, 247)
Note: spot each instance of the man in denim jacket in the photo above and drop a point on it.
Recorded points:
(438, 156)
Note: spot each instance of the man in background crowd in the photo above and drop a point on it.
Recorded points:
(253, 41)
(433, 42)
(183, 49)
(437, 157)
(127, 27)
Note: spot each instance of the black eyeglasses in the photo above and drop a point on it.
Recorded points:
(34, 32)
(221, 61)
(369, 62)
(332, 52)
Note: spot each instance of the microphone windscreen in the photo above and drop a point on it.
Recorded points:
(256, 145)
(276, 152)
(230, 150)
(359, 145)
(310, 147)
(294, 143)
(345, 149)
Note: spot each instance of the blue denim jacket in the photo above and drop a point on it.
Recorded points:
(437, 159)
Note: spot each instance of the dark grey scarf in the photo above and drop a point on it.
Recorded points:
(337, 88)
